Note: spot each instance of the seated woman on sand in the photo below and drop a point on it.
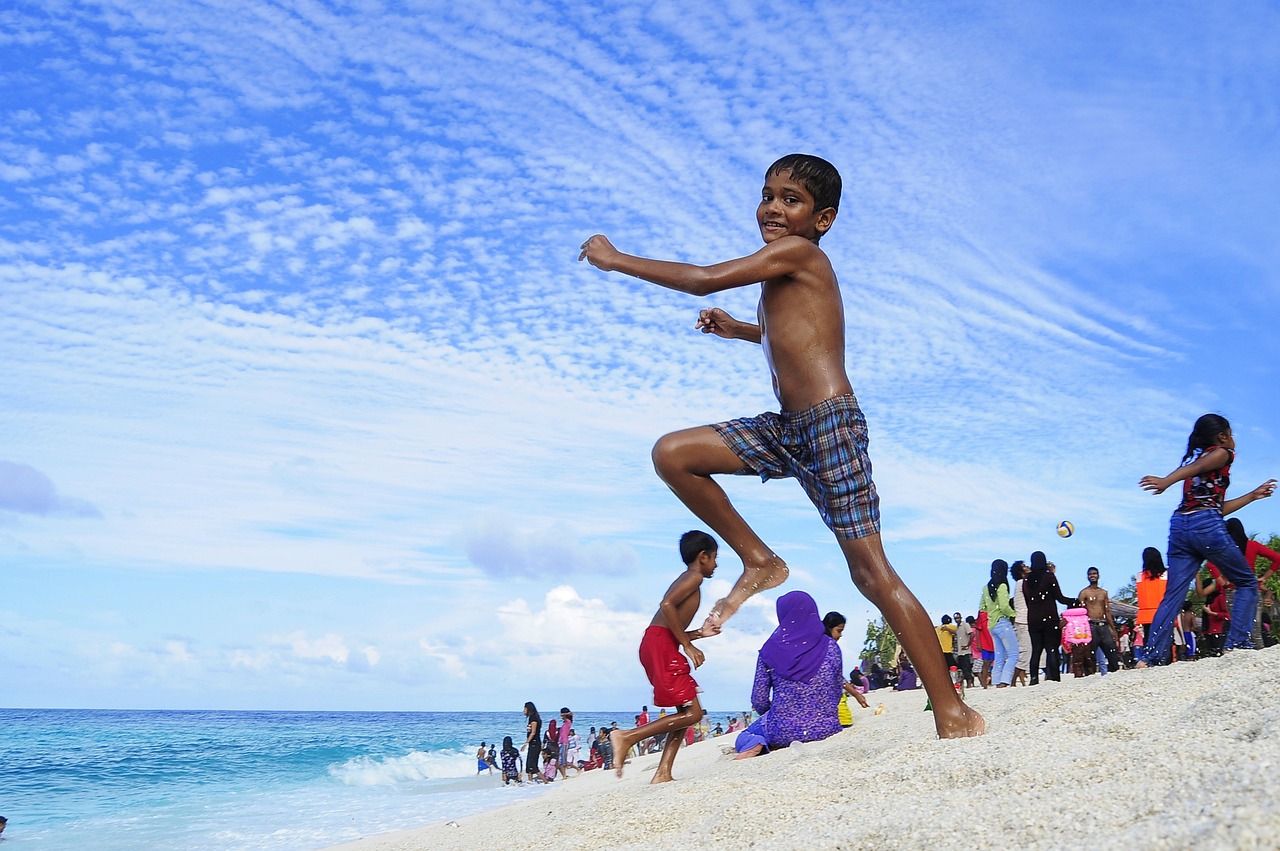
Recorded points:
(799, 680)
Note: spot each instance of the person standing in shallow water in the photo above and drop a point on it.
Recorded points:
(533, 742)
(820, 435)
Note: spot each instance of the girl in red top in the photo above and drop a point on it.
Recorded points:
(1253, 550)
(1198, 532)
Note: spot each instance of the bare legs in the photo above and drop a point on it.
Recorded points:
(686, 461)
(876, 579)
(623, 740)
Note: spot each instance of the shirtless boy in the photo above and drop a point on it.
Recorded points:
(819, 438)
(1101, 625)
(668, 671)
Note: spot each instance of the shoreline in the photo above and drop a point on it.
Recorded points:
(1159, 758)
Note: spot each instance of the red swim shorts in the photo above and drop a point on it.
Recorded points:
(668, 670)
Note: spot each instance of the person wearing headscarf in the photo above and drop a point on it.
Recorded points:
(1043, 593)
(798, 683)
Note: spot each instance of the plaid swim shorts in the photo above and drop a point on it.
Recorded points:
(825, 449)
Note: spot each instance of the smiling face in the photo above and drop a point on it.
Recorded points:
(787, 208)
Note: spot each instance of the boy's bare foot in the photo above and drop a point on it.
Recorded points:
(616, 743)
(755, 578)
(964, 724)
(661, 776)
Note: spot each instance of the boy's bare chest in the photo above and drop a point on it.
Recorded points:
(782, 298)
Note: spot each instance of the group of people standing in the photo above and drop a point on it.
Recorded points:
(1018, 624)
(544, 754)
(1018, 621)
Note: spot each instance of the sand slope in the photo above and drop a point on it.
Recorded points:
(1175, 757)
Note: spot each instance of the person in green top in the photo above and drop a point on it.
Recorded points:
(995, 602)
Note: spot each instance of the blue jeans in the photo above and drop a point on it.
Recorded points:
(1193, 538)
(1006, 652)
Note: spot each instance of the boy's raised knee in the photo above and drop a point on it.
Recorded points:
(664, 456)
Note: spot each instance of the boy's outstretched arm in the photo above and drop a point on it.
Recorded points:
(784, 256)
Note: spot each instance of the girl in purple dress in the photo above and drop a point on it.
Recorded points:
(799, 680)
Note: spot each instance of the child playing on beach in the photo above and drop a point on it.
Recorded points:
(668, 671)
(820, 436)
(1197, 532)
(510, 762)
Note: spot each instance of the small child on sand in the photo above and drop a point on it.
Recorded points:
(668, 671)
(510, 762)
(820, 435)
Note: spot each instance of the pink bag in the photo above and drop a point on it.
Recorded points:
(1077, 629)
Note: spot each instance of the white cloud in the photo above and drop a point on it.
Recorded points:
(294, 293)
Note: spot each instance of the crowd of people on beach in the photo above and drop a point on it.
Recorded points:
(1018, 635)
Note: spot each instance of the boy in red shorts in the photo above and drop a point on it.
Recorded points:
(668, 671)
(819, 437)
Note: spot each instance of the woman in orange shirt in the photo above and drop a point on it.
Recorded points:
(1151, 585)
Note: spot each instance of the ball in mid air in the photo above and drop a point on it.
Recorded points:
(1066, 529)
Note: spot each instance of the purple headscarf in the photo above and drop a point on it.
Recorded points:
(797, 647)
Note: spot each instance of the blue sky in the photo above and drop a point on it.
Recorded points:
(308, 405)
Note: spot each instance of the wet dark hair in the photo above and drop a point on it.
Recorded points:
(1236, 530)
(508, 746)
(694, 544)
(531, 711)
(818, 176)
(1204, 434)
(831, 620)
(999, 576)
(1152, 563)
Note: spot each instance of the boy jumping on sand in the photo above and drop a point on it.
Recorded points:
(668, 671)
(820, 436)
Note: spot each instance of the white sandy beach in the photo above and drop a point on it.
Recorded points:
(1176, 757)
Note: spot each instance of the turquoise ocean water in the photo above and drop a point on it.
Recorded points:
(284, 781)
